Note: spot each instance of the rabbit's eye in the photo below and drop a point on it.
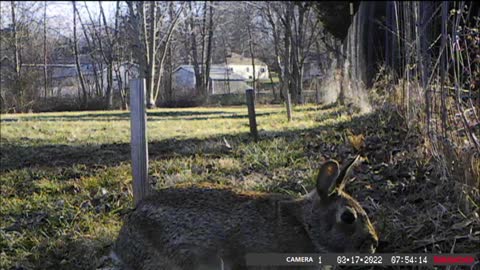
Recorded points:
(348, 217)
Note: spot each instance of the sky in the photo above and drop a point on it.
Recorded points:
(60, 13)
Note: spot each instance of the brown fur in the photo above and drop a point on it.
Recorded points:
(201, 226)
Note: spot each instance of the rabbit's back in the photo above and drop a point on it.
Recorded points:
(199, 222)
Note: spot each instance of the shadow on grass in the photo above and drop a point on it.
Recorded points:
(152, 116)
(17, 156)
(104, 116)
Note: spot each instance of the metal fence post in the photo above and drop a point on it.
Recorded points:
(139, 146)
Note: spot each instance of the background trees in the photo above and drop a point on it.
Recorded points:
(156, 36)
(354, 42)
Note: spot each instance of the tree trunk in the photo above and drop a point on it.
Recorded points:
(45, 80)
(297, 52)
(287, 47)
(209, 47)
(108, 94)
(168, 83)
(425, 12)
(109, 57)
(92, 45)
(120, 86)
(193, 46)
(276, 41)
(150, 78)
(252, 55)
(225, 58)
(165, 48)
(77, 62)
(341, 58)
(202, 56)
(16, 59)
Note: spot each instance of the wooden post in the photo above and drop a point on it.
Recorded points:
(251, 113)
(289, 107)
(317, 94)
(139, 146)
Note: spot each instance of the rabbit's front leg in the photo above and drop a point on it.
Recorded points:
(215, 263)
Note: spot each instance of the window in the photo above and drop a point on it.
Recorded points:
(230, 69)
(248, 69)
(262, 70)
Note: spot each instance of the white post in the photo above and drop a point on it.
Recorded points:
(139, 146)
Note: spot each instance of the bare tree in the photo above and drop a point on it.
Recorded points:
(252, 55)
(209, 45)
(16, 55)
(108, 56)
(150, 51)
(77, 62)
(143, 42)
(45, 81)
(276, 40)
(163, 46)
(194, 54)
(92, 43)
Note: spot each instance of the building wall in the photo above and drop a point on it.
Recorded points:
(126, 73)
(247, 71)
(65, 80)
(184, 82)
(228, 87)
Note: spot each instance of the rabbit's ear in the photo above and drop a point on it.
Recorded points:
(327, 178)
(345, 172)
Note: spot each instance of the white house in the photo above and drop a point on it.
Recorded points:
(243, 66)
(221, 81)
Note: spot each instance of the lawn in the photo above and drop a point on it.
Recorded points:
(66, 177)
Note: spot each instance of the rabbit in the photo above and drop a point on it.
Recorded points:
(205, 227)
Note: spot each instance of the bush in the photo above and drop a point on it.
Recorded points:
(60, 104)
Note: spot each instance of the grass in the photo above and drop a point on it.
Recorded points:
(66, 179)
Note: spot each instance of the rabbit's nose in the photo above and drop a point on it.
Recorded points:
(374, 244)
(369, 245)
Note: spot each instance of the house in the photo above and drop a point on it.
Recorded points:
(65, 80)
(221, 81)
(242, 66)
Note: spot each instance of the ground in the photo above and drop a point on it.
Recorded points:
(66, 179)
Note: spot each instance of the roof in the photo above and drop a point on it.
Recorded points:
(237, 59)
(62, 72)
(217, 73)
